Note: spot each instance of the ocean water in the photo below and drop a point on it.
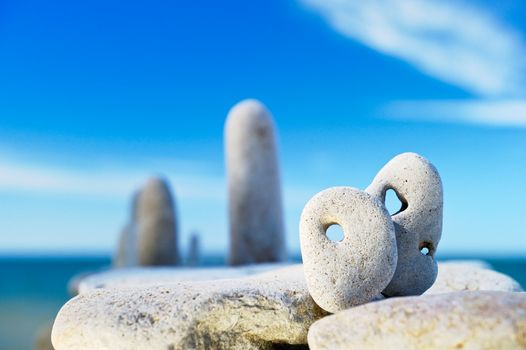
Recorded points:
(32, 290)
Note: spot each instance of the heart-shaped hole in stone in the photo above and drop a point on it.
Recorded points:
(426, 248)
(334, 232)
(394, 202)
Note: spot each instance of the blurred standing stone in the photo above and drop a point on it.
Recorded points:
(194, 250)
(126, 254)
(255, 207)
(156, 225)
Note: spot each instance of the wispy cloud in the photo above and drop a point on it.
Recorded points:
(116, 182)
(489, 112)
(449, 40)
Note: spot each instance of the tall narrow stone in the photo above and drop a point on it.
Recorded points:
(126, 253)
(255, 206)
(194, 250)
(156, 225)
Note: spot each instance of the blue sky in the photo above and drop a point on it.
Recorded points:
(97, 96)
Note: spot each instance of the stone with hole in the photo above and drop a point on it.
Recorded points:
(255, 206)
(356, 269)
(461, 320)
(418, 224)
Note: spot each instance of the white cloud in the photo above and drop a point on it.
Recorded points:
(115, 182)
(449, 40)
(490, 112)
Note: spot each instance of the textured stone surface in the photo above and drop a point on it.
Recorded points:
(456, 276)
(419, 223)
(255, 205)
(462, 320)
(356, 269)
(257, 312)
(156, 225)
(153, 276)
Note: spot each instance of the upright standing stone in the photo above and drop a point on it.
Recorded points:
(255, 207)
(126, 254)
(194, 250)
(156, 225)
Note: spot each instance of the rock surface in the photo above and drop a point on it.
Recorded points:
(144, 277)
(462, 320)
(456, 276)
(156, 225)
(418, 224)
(265, 311)
(254, 188)
(126, 253)
(356, 269)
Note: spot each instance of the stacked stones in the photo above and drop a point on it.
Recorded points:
(269, 306)
(379, 253)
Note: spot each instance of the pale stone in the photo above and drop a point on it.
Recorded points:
(356, 269)
(126, 253)
(255, 205)
(260, 312)
(194, 250)
(144, 277)
(461, 320)
(418, 225)
(156, 225)
(468, 276)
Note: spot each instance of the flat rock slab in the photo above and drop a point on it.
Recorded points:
(456, 276)
(461, 320)
(154, 276)
(263, 311)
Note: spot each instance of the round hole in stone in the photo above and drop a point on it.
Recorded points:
(426, 248)
(394, 203)
(335, 233)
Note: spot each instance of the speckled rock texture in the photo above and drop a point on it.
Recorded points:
(156, 225)
(461, 320)
(356, 269)
(265, 311)
(418, 225)
(456, 276)
(154, 276)
(254, 188)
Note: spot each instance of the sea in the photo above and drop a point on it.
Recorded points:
(33, 288)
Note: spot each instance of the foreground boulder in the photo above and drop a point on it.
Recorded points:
(471, 276)
(144, 277)
(264, 311)
(461, 320)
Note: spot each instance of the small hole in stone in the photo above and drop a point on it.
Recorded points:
(426, 248)
(394, 203)
(335, 233)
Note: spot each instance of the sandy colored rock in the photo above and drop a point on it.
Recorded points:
(418, 225)
(356, 269)
(156, 225)
(257, 312)
(144, 277)
(456, 276)
(254, 188)
(461, 320)
(126, 252)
